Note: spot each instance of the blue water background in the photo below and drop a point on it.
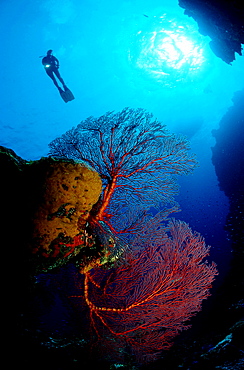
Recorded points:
(99, 44)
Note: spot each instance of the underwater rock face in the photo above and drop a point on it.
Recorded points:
(48, 202)
(69, 192)
(11, 190)
(227, 158)
(220, 20)
(60, 194)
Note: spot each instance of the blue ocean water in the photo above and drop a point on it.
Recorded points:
(113, 54)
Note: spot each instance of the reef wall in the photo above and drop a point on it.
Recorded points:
(45, 208)
(222, 21)
(228, 160)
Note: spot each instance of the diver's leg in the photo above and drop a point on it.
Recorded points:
(59, 77)
(50, 74)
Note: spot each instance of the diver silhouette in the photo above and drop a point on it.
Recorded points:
(51, 65)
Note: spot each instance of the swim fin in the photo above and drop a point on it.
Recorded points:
(67, 95)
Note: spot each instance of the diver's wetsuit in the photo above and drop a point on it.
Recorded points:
(51, 65)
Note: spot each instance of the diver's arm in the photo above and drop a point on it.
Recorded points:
(56, 62)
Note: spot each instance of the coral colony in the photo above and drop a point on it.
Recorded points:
(146, 274)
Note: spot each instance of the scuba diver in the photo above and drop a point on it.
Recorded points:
(51, 65)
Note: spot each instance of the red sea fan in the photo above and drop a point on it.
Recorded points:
(140, 306)
(138, 161)
(143, 304)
